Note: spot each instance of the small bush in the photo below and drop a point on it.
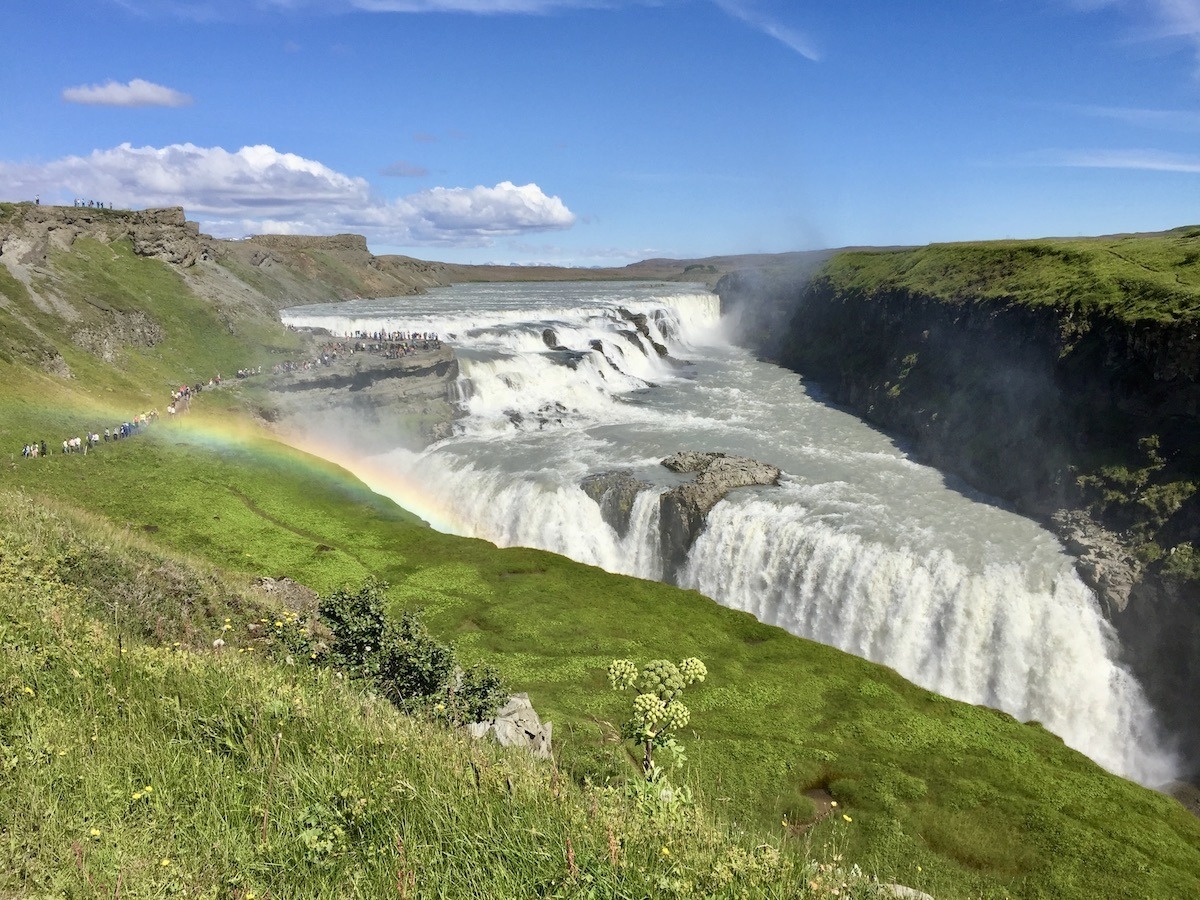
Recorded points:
(406, 663)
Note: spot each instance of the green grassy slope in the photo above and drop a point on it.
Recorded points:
(958, 800)
(174, 768)
(1131, 277)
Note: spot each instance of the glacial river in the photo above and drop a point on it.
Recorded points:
(859, 546)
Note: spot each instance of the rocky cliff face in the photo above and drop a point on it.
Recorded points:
(683, 509)
(363, 403)
(284, 265)
(51, 256)
(30, 234)
(1088, 423)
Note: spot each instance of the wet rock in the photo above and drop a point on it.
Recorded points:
(641, 323)
(551, 413)
(1102, 559)
(614, 493)
(683, 510)
(517, 724)
(633, 337)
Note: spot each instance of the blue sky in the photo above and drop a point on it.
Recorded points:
(606, 131)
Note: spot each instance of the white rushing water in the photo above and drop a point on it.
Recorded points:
(858, 547)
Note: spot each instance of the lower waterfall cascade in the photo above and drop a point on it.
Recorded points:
(858, 546)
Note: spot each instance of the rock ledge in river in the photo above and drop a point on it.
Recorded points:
(1103, 560)
(614, 493)
(684, 509)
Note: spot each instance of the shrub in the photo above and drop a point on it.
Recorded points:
(405, 663)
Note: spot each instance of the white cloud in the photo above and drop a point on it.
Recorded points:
(1154, 20)
(137, 92)
(750, 12)
(1166, 119)
(1141, 160)
(258, 189)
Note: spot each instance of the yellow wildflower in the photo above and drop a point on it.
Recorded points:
(164, 862)
(847, 818)
(666, 851)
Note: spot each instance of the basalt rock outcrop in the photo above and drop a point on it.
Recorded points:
(615, 493)
(684, 509)
(120, 330)
(164, 234)
(366, 403)
(517, 724)
(1102, 559)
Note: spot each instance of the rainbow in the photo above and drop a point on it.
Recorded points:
(416, 496)
(325, 459)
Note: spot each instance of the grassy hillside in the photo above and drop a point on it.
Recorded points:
(170, 768)
(1131, 277)
(957, 800)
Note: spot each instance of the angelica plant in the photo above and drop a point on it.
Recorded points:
(657, 712)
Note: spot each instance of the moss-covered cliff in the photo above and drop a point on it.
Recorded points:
(1061, 376)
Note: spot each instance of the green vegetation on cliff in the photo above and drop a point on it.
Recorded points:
(1130, 277)
(259, 768)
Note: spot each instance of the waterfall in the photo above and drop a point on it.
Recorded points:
(858, 547)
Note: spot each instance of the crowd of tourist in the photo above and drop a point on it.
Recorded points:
(388, 344)
(92, 439)
(392, 345)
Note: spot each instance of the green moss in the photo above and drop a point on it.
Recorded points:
(1139, 277)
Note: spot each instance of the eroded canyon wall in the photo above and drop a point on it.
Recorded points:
(1084, 415)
